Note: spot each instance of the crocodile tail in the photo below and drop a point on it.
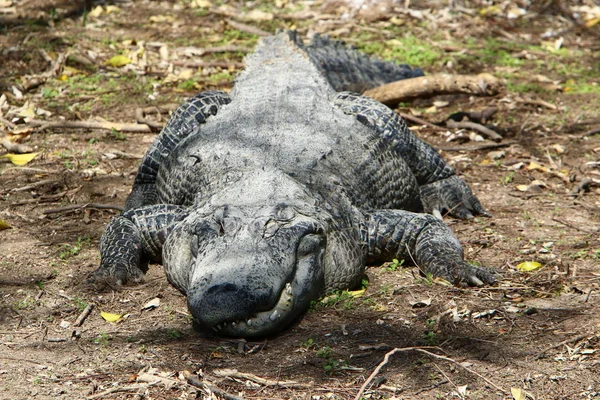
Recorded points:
(347, 69)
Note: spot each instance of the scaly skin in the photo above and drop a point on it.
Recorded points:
(259, 201)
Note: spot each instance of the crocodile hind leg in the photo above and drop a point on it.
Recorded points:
(348, 69)
(440, 189)
(132, 239)
(422, 240)
(184, 121)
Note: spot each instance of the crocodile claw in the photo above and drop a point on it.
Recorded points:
(452, 195)
(472, 275)
(115, 275)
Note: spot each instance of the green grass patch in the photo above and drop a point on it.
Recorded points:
(408, 50)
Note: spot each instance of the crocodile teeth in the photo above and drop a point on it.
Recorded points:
(288, 289)
(274, 316)
(233, 324)
(249, 322)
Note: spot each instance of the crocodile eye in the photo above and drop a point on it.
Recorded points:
(310, 244)
(196, 158)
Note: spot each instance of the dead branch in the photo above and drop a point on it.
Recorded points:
(571, 340)
(434, 85)
(7, 123)
(80, 206)
(206, 64)
(233, 373)
(387, 356)
(84, 314)
(109, 126)
(240, 26)
(17, 148)
(591, 132)
(34, 185)
(481, 117)
(196, 382)
(485, 146)
(536, 102)
(140, 117)
(117, 389)
(486, 132)
(418, 120)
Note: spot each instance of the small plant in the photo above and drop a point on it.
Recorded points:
(175, 333)
(102, 339)
(324, 352)
(69, 251)
(506, 179)
(118, 135)
(308, 344)
(394, 265)
(430, 335)
(339, 297)
(81, 305)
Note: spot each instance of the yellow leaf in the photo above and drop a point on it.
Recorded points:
(28, 112)
(485, 161)
(111, 317)
(20, 159)
(522, 188)
(591, 22)
(491, 10)
(4, 225)
(96, 12)
(118, 61)
(529, 266)
(356, 293)
(518, 394)
(112, 9)
(535, 166)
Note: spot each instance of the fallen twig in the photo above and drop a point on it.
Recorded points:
(567, 341)
(34, 185)
(17, 148)
(387, 356)
(205, 64)
(418, 120)
(240, 26)
(487, 132)
(116, 389)
(233, 373)
(84, 314)
(434, 85)
(481, 117)
(485, 146)
(196, 382)
(140, 117)
(109, 126)
(591, 132)
(536, 102)
(80, 206)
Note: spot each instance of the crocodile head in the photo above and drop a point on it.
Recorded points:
(247, 271)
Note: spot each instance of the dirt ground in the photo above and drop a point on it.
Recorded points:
(533, 335)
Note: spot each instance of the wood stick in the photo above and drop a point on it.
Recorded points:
(232, 373)
(418, 120)
(487, 132)
(79, 206)
(17, 148)
(387, 356)
(109, 126)
(434, 85)
(140, 117)
(571, 340)
(205, 64)
(240, 26)
(84, 314)
(196, 382)
(485, 146)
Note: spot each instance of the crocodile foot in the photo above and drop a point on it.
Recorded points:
(452, 195)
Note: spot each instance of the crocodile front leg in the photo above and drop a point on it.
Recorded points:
(132, 239)
(422, 240)
(185, 120)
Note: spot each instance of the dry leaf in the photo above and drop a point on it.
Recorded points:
(529, 266)
(535, 166)
(111, 317)
(257, 15)
(96, 12)
(118, 61)
(591, 22)
(518, 394)
(152, 304)
(20, 159)
(4, 225)
(161, 18)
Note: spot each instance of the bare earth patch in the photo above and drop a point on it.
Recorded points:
(535, 331)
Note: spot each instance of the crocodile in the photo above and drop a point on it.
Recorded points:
(259, 201)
